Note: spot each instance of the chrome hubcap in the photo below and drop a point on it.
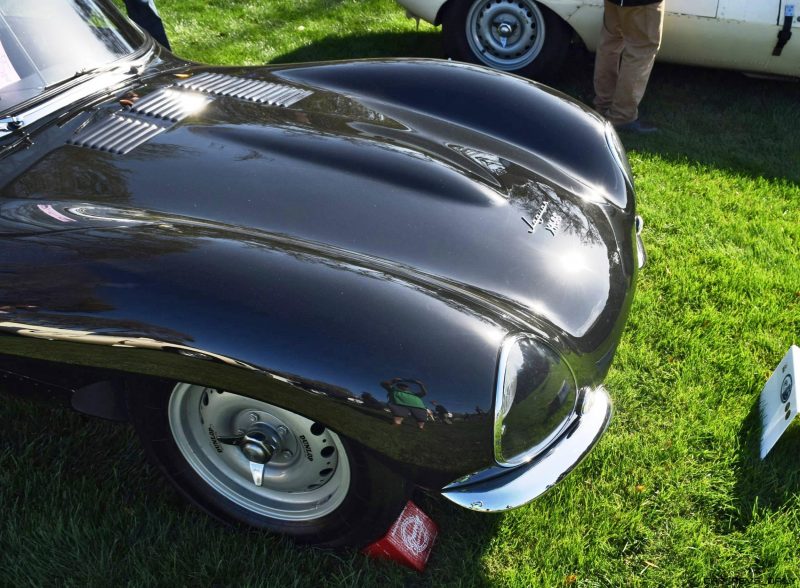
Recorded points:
(258, 446)
(268, 460)
(505, 34)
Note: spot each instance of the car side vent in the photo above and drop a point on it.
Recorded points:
(118, 134)
(245, 89)
(171, 105)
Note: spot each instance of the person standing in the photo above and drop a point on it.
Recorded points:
(405, 402)
(629, 41)
(144, 14)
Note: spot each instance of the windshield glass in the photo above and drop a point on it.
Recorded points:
(44, 42)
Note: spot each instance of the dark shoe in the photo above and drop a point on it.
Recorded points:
(636, 126)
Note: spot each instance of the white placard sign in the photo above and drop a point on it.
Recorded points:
(779, 400)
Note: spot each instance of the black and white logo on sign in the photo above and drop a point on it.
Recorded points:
(786, 388)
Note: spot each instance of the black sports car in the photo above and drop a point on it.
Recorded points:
(283, 275)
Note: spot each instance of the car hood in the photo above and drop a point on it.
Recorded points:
(396, 181)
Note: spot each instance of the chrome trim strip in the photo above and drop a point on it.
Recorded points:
(527, 482)
(641, 253)
(497, 442)
(618, 152)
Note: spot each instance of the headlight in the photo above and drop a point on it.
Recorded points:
(535, 398)
(618, 151)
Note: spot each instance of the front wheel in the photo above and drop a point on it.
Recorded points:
(248, 462)
(518, 36)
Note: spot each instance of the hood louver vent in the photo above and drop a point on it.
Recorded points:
(171, 105)
(245, 89)
(161, 110)
(118, 134)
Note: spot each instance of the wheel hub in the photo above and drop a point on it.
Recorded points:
(505, 30)
(256, 450)
(259, 444)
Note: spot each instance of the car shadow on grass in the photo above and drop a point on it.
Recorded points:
(82, 506)
(773, 482)
(377, 45)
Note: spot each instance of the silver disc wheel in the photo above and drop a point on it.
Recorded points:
(505, 34)
(268, 460)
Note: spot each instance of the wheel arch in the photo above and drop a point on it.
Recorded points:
(563, 10)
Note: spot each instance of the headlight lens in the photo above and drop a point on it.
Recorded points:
(535, 398)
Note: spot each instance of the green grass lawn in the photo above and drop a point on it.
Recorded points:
(674, 494)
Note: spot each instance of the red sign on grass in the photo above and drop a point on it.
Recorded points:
(409, 541)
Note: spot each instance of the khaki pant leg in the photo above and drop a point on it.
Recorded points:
(641, 27)
(606, 63)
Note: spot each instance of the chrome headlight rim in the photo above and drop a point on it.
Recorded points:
(500, 412)
(618, 151)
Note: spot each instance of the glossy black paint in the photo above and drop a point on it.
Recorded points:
(378, 228)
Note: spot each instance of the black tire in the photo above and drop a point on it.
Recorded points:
(371, 501)
(536, 45)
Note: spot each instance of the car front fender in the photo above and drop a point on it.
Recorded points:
(301, 325)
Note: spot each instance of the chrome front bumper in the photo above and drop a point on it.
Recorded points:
(518, 486)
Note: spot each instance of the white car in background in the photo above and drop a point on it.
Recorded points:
(532, 37)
